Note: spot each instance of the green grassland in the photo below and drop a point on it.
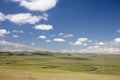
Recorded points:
(58, 66)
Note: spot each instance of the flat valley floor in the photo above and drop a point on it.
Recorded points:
(59, 66)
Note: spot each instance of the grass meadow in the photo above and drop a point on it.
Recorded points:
(58, 66)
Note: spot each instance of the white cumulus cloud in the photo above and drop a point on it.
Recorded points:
(100, 43)
(37, 5)
(15, 36)
(2, 16)
(16, 31)
(11, 46)
(117, 40)
(42, 37)
(48, 41)
(65, 35)
(80, 41)
(98, 49)
(43, 27)
(59, 40)
(23, 18)
(3, 32)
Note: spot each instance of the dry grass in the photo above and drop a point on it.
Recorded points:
(6, 74)
(60, 67)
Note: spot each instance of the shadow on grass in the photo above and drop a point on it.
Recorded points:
(74, 58)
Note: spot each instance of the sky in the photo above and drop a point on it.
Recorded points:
(78, 26)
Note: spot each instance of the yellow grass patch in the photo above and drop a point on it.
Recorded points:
(7, 74)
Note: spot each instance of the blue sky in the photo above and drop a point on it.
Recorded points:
(85, 26)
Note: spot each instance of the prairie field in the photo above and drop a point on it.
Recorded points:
(58, 66)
